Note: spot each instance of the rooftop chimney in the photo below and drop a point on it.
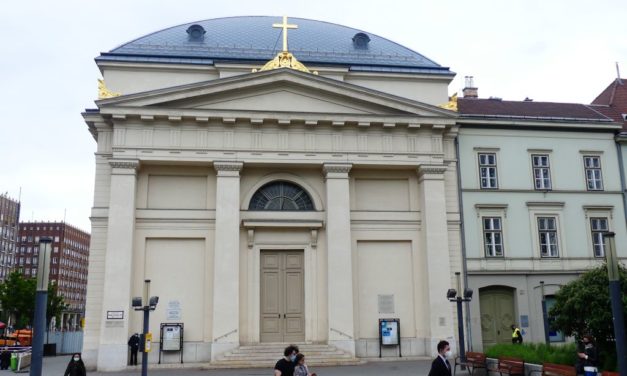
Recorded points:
(470, 91)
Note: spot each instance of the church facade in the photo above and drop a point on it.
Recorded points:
(296, 202)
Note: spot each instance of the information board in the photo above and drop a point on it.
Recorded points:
(171, 338)
(389, 332)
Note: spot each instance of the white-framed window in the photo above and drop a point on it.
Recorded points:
(548, 237)
(594, 176)
(493, 236)
(487, 171)
(541, 171)
(598, 226)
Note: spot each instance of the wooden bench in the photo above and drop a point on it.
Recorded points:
(474, 360)
(550, 369)
(510, 366)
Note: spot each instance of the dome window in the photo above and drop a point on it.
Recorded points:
(196, 33)
(361, 40)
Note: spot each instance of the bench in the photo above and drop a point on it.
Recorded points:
(510, 366)
(550, 369)
(474, 360)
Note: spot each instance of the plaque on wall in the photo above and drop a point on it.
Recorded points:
(115, 315)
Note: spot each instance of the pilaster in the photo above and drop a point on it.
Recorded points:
(112, 354)
(340, 275)
(226, 258)
(436, 248)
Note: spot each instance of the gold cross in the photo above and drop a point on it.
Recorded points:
(285, 26)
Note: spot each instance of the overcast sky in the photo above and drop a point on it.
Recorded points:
(562, 51)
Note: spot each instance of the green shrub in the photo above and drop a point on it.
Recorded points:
(536, 353)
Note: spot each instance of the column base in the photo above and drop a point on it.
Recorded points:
(112, 357)
(219, 348)
(344, 345)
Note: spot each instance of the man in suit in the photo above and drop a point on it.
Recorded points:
(440, 365)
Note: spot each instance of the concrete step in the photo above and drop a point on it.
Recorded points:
(266, 355)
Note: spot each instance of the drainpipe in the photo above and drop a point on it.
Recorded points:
(619, 152)
(463, 243)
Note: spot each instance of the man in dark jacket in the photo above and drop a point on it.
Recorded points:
(440, 365)
(133, 343)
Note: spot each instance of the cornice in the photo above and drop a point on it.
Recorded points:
(143, 115)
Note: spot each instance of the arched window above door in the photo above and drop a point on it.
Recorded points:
(281, 195)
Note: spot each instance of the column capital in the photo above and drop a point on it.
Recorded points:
(124, 166)
(431, 172)
(228, 168)
(336, 170)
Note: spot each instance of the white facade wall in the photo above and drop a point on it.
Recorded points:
(518, 204)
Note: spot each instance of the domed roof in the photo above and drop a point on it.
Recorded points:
(252, 39)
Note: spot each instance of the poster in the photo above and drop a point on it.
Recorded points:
(173, 311)
(389, 332)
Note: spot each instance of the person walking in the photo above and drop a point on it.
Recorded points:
(285, 365)
(440, 365)
(300, 368)
(75, 367)
(516, 335)
(587, 356)
(133, 343)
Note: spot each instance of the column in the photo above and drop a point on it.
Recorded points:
(112, 352)
(226, 259)
(435, 247)
(340, 275)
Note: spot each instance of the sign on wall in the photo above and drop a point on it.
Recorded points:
(173, 311)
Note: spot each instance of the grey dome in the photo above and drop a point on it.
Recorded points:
(252, 39)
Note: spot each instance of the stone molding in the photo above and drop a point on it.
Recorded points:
(431, 172)
(228, 168)
(127, 164)
(337, 169)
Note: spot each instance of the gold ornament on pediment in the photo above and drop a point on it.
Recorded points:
(285, 59)
(451, 104)
(103, 92)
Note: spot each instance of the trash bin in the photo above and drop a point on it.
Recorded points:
(13, 364)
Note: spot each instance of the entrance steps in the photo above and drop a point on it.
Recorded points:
(267, 354)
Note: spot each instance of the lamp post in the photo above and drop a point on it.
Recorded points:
(149, 305)
(41, 301)
(452, 296)
(545, 317)
(617, 303)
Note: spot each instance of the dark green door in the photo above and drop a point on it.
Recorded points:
(497, 315)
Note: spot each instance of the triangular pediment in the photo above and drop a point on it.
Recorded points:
(281, 90)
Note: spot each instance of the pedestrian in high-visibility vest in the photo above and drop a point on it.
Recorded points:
(516, 335)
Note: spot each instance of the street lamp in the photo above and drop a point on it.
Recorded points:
(545, 316)
(452, 296)
(616, 299)
(41, 301)
(151, 305)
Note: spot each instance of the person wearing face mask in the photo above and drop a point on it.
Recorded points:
(587, 356)
(440, 365)
(75, 367)
(285, 366)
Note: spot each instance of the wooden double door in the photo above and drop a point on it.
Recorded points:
(282, 296)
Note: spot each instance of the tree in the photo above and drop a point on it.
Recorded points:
(56, 305)
(17, 297)
(583, 307)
